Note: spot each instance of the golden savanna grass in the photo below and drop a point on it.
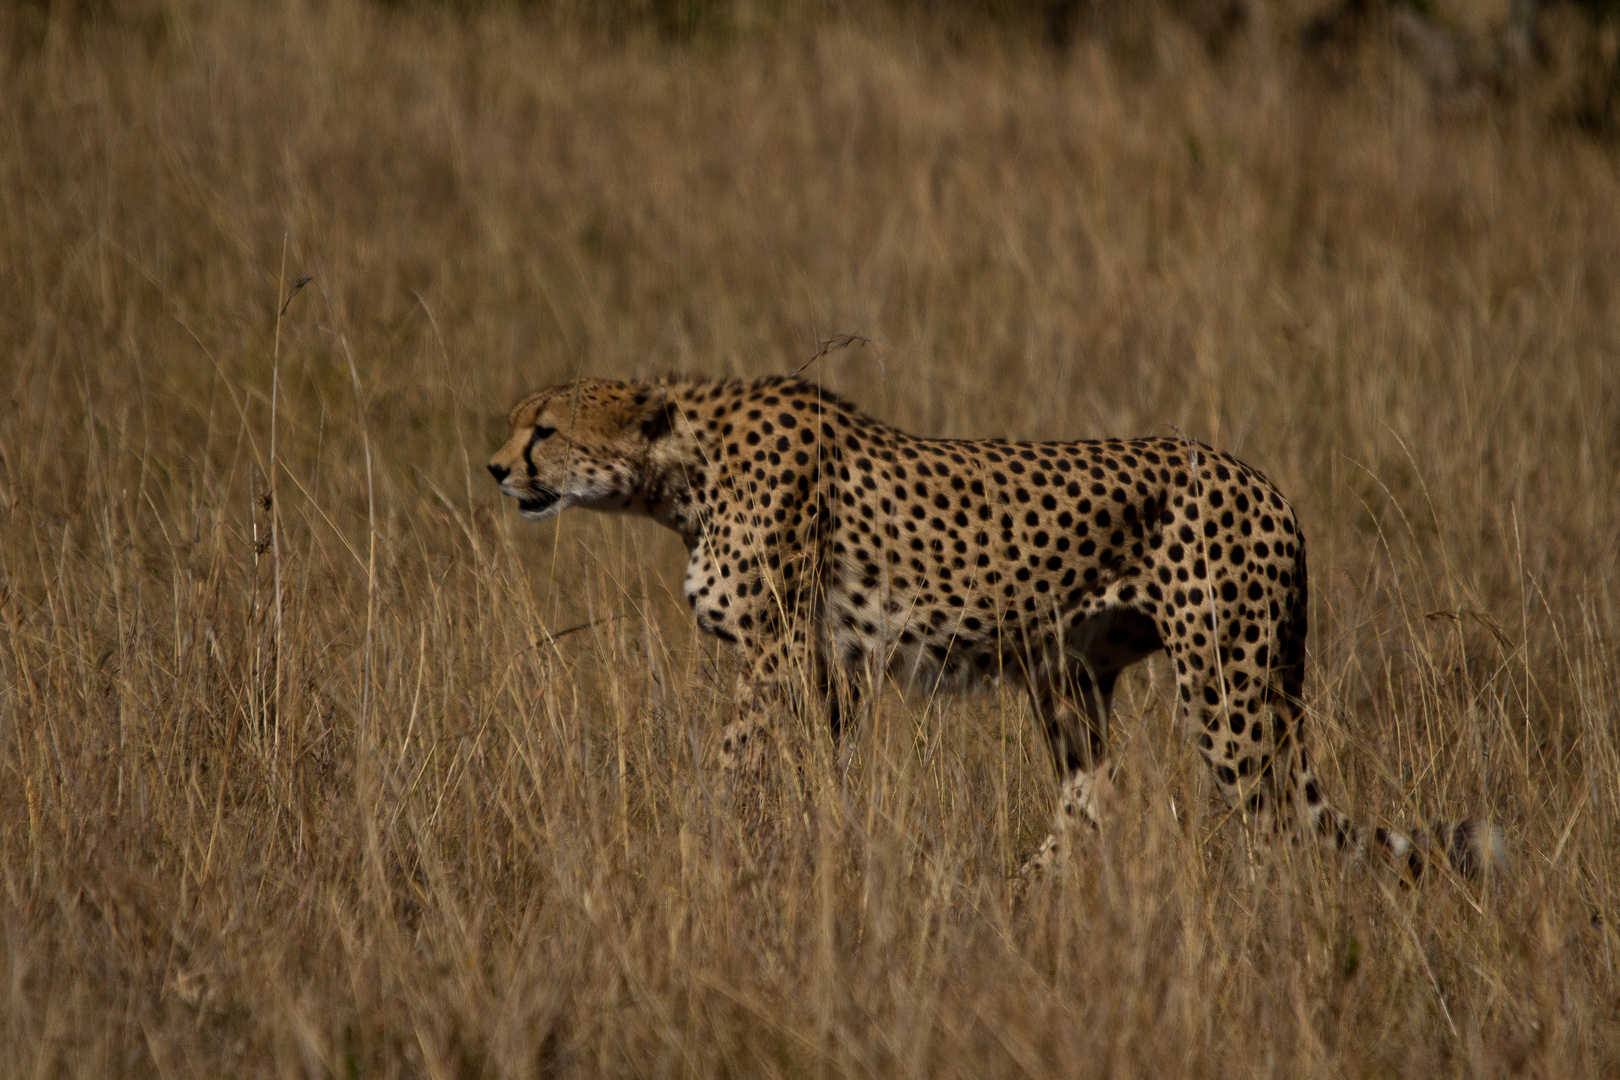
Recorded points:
(316, 761)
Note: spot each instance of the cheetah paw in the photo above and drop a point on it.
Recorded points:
(1043, 862)
(743, 748)
(1081, 800)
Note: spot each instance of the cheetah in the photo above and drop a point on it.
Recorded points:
(815, 531)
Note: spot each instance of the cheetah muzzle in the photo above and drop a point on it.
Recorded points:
(537, 507)
(819, 535)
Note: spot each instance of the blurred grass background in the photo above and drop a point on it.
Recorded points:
(315, 761)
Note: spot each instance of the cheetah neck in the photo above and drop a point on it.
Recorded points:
(675, 468)
(687, 469)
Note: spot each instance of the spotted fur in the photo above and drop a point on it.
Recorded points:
(815, 531)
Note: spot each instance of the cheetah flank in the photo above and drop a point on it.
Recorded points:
(814, 530)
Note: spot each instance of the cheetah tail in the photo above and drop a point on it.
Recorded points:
(1474, 848)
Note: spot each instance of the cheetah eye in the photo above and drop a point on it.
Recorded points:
(542, 432)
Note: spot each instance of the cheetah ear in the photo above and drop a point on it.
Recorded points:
(655, 413)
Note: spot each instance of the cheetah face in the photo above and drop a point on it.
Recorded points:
(583, 444)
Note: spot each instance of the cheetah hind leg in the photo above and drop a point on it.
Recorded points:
(1079, 809)
(1075, 718)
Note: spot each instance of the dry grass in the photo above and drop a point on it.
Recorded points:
(372, 779)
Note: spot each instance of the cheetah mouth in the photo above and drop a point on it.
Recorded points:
(538, 505)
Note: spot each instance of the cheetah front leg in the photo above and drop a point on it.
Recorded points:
(1075, 718)
(760, 697)
(786, 672)
(745, 741)
(764, 617)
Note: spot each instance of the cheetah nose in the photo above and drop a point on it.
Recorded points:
(499, 472)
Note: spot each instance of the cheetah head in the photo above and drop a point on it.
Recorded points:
(585, 443)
